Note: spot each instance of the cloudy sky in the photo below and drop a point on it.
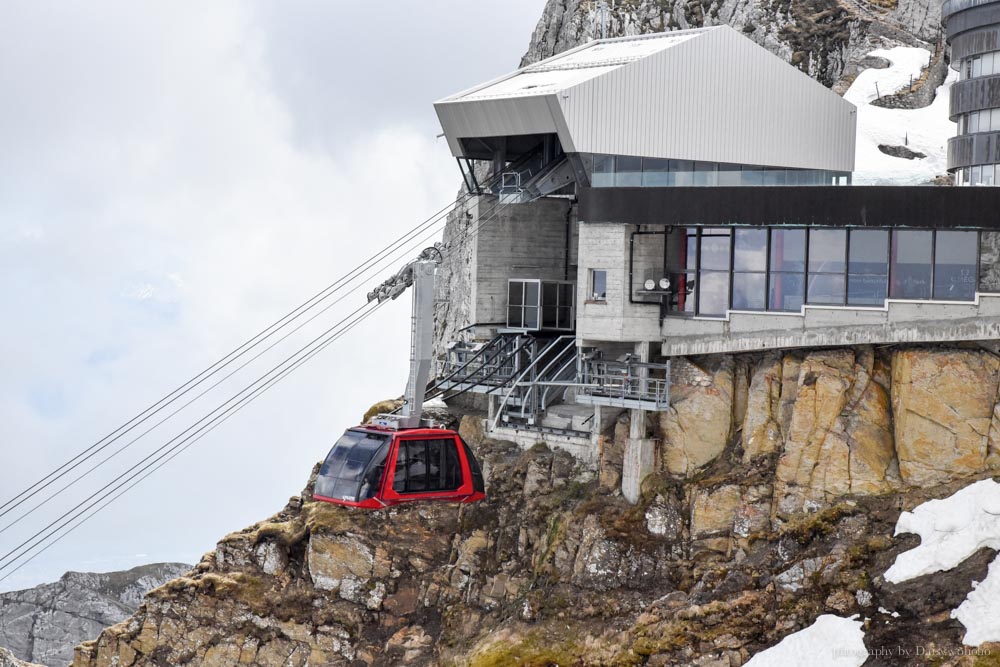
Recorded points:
(173, 178)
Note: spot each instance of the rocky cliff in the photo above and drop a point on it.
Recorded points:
(828, 39)
(779, 480)
(44, 623)
(7, 659)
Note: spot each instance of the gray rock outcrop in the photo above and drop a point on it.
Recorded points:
(44, 623)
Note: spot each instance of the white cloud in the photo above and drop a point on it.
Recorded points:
(165, 207)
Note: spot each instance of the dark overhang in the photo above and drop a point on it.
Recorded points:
(830, 206)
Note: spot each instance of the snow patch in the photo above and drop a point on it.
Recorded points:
(950, 530)
(831, 641)
(925, 130)
(980, 613)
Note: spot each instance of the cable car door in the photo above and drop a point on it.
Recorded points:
(427, 468)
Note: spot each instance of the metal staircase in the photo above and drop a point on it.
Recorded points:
(524, 373)
(543, 381)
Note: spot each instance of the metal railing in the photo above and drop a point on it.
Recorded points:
(626, 381)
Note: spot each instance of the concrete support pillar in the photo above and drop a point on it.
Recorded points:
(640, 449)
(595, 433)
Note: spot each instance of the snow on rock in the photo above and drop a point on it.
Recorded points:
(831, 641)
(980, 613)
(923, 130)
(951, 529)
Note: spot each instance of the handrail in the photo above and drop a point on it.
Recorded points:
(569, 364)
(491, 374)
(520, 377)
(541, 374)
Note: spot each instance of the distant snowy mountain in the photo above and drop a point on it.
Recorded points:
(43, 624)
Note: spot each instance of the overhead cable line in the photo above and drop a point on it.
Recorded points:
(434, 231)
(19, 551)
(71, 464)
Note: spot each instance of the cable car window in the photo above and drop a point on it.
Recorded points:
(423, 466)
(355, 453)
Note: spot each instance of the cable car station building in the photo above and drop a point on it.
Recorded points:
(686, 193)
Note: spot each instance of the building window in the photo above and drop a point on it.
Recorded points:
(682, 267)
(749, 269)
(628, 171)
(788, 263)
(655, 172)
(598, 285)
(522, 304)
(868, 267)
(910, 265)
(955, 265)
(989, 262)
(827, 265)
(557, 305)
(713, 294)
(984, 64)
(604, 171)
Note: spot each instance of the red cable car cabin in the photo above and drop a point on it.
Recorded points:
(373, 467)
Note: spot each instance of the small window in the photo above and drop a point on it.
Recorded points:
(598, 285)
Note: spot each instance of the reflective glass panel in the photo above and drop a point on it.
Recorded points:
(604, 171)
(787, 291)
(788, 250)
(869, 251)
(749, 291)
(989, 262)
(866, 290)
(715, 249)
(713, 296)
(827, 251)
(655, 172)
(628, 171)
(910, 268)
(750, 251)
(955, 266)
(826, 289)
(681, 172)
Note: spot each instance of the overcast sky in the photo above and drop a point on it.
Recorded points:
(173, 178)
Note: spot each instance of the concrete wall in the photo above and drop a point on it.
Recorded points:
(605, 246)
(522, 241)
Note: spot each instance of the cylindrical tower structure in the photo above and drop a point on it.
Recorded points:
(972, 27)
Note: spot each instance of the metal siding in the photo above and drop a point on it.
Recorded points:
(723, 98)
(494, 118)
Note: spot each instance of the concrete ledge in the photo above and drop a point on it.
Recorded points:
(899, 322)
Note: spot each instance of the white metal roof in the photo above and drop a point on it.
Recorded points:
(704, 94)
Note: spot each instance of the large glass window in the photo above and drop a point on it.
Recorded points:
(910, 265)
(713, 296)
(788, 263)
(628, 171)
(604, 171)
(827, 262)
(749, 269)
(655, 172)
(715, 269)
(681, 172)
(989, 262)
(868, 267)
(682, 254)
(955, 265)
